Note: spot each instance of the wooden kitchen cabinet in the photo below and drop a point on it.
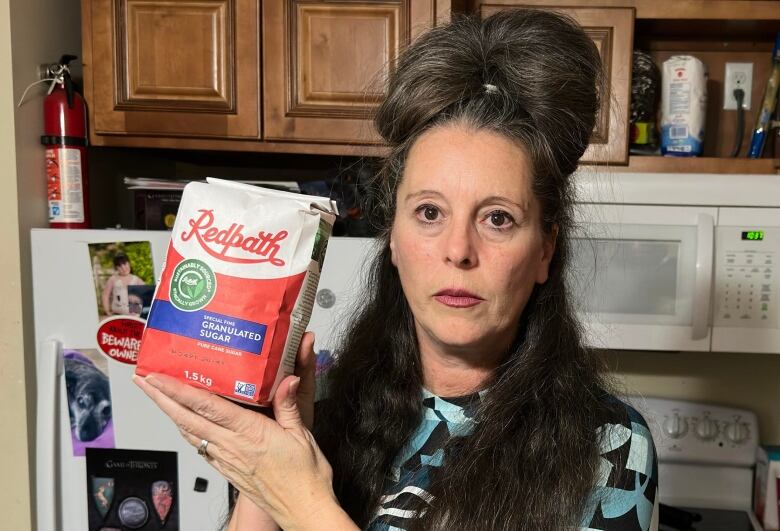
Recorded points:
(612, 30)
(190, 74)
(324, 63)
(175, 68)
(714, 31)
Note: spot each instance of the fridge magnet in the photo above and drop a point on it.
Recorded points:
(103, 493)
(144, 489)
(162, 497)
(133, 512)
(89, 400)
(116, 267)
(119, 338)
(139, 300)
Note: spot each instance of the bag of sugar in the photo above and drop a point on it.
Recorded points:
(237, 288)
(683, 106)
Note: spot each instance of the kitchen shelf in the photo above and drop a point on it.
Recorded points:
(657, 164)
(724, 10)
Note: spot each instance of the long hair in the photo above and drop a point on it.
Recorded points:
(531, 459)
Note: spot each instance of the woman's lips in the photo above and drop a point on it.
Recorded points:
(456, 298)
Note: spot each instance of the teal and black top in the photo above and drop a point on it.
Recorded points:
(628, 502)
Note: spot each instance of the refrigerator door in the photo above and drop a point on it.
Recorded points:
(66, 317)
(340, 289)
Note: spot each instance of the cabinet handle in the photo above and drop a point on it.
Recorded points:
(703, 288)
(50, 367)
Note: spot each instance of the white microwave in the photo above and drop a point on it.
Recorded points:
(678, 262)
(660, 262)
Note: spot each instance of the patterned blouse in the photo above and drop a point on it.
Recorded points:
(629, 504)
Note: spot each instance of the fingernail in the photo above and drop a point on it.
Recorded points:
(154, 382)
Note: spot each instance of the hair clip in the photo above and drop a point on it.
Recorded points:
(490, 89)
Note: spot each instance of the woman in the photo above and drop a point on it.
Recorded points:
(463, 397)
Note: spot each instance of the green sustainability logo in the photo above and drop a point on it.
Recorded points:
(193, 285)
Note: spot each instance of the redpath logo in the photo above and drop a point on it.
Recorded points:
(218, 242)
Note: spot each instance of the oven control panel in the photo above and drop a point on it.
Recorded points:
(697, 433)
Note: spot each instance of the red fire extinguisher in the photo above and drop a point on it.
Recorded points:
(65, 139)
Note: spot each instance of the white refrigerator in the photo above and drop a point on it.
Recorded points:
(106, 457)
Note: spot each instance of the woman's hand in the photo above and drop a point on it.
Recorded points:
(275, 464)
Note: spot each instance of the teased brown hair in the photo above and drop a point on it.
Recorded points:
(531, 459)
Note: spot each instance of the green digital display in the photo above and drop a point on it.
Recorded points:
(753, 235)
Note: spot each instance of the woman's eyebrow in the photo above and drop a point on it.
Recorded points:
(506, 200)
(423, 192)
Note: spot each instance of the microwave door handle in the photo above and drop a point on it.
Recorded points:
(50, 367)
(703, 287)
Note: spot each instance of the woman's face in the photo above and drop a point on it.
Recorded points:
(467, 238)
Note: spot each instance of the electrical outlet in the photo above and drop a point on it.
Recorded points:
(738, 75)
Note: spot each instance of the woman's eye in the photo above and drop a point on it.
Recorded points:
(500, 219)
(428, 212)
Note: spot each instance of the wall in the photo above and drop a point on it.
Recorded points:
(31, 32)
(14, 483)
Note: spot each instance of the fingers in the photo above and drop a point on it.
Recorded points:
(213, 451)
(215, 454)
(207, 405)
(285, 404)
(305, 368)
(220, 450)
(194, 426)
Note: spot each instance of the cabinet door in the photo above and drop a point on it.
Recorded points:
(612, 29)
(324, 63)
(186, 68)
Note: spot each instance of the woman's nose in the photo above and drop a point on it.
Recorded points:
(459, 244)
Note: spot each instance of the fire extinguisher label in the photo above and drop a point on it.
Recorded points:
(63, 176)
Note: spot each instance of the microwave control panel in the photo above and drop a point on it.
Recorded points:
(747, 292)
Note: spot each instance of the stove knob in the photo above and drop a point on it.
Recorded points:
(675, 426)
(737, 432)
(707, 429)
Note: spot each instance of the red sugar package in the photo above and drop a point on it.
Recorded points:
(237, 288)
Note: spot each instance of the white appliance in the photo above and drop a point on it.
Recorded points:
(66, 317)
(340, 290)
(662, 262)
(705, 456)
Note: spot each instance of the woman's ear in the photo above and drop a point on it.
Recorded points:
(548, 251)
(392, 249)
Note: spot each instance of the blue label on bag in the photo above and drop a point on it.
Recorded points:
(208, 326)
(678, 139)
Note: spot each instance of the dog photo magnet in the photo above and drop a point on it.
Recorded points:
(89, 400)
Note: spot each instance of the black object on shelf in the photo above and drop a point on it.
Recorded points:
(645, 94)
(156, 209)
